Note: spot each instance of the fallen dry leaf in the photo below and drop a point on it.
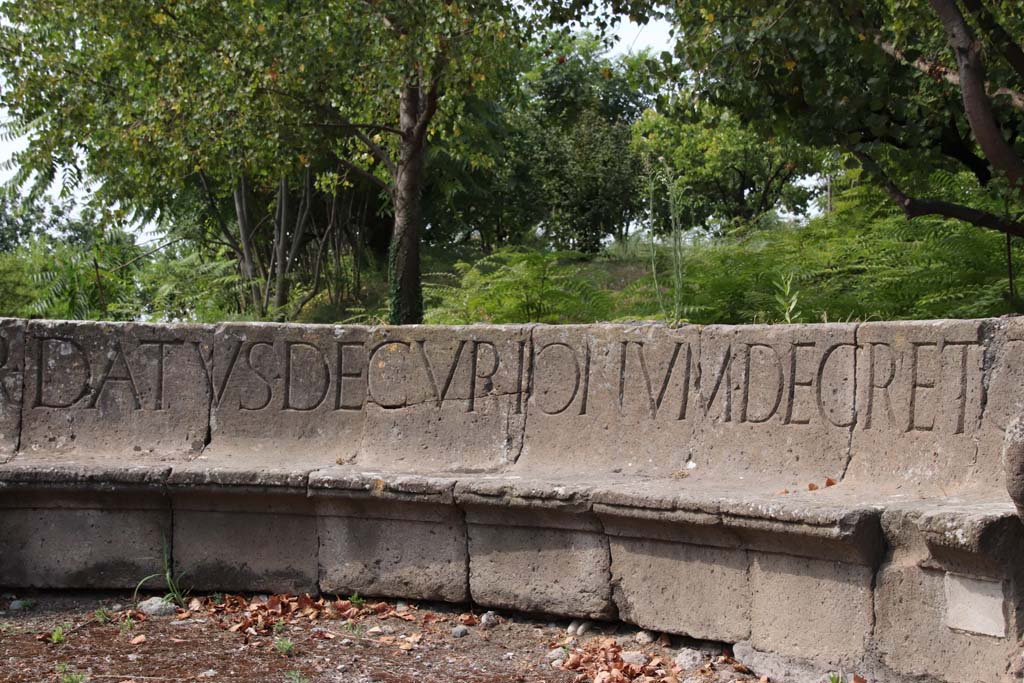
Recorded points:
(138, 640)
(468, 620)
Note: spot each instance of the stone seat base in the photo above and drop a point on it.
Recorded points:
(891, 583)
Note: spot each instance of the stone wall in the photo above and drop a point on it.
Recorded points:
(823, 493)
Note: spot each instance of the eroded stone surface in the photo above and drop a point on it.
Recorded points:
(611, 398)
(225, 541)
(112, 391)
(814, 609)
(12, 354)
(442, 399)
(913, 639)
(919, 397)
(777, 401)
(694, 590)
(554, 565)
(54, 539)
(389, 547)
(289, 397)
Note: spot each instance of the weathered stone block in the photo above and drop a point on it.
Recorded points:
(392, 548)
(12, 355)
(698, 591)
(611, 399)
(1004, 402)
(776, 401)
(538, 561)
(814, 609)
(257, 541)
(919, 403)
(286, 389)
(912, 635)
(55, 539)
(115, 390)
(442, 399)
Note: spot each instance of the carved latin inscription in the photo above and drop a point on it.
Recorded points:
(790, 383)
(799, 382)
(67, 376)
(106, 388)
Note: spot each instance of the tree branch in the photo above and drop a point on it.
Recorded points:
(977, 106)
(1006, 45)
(378, 152)
(940, 72)
(913, 207)
(211, 202)
(427, 110)
(363, 173)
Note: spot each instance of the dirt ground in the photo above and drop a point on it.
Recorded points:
(89, 637)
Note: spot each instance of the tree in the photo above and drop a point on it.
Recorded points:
(727, 173)
(554, 156)
(908, 90)
(272, 111)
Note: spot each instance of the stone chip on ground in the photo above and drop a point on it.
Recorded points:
(689, 658)
(157, 607)
(644, 637)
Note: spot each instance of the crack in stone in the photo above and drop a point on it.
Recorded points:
(609, 574)
(993, 350)
(856, 415)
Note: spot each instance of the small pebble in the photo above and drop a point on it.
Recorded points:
(209, 673)
(645, 637)
(157, 607)
(132, 657)
(688, 658)
(634, 657)
(460, 631)
(346, 641)
(489, 620)
(116, 607)
(17, 605)
(556, 664)
(401, 606)
(509, 656)
(557, 653)
(573, 625)
(584, 628)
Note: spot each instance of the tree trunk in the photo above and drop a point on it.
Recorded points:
(977, 106)
(404, 258)
(245, 235)
(281, 247)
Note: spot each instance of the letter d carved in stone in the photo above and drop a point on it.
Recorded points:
(61, 382)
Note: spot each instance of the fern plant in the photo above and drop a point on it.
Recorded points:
(515, 285)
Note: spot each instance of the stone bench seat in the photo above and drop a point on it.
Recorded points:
(637, 472)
